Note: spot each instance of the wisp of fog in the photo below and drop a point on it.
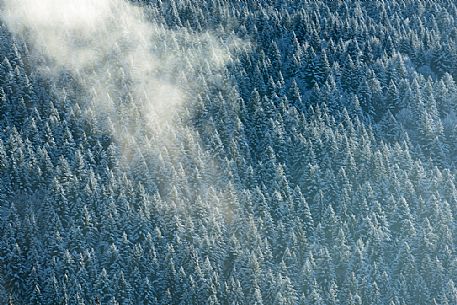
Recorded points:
(115, 54)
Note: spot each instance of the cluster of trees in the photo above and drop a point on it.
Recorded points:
(322, 171)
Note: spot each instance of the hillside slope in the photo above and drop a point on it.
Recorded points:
(228, 152)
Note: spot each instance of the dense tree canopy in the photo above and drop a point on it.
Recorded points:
(318, 166)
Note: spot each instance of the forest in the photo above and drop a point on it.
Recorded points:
(228, 152)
